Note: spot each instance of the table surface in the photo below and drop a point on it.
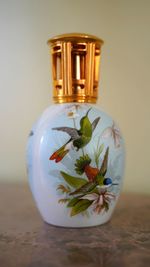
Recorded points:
(26, 241)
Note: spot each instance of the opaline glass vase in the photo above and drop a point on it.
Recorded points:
(75, 153)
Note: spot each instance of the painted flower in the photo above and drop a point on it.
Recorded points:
(100, 200)
(114, 133)
(72, 112)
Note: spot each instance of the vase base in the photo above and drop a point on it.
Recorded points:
(76, 225)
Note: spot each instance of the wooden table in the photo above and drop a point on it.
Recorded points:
(26, 241)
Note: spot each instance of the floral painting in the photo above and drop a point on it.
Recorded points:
(91, 189)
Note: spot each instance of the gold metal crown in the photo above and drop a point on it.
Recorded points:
(75, 67)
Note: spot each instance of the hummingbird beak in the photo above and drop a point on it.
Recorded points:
(114, 184)
(88, 111)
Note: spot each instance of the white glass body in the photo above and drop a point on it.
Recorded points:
(75, 162)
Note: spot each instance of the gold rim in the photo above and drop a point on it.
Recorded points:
(75, 37)
(75, 99)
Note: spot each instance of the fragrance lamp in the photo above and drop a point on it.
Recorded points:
(75, 153)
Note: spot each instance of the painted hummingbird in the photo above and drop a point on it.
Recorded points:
(78, 138)
(95, 176)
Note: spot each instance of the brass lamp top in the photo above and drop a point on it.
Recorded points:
(75, 67)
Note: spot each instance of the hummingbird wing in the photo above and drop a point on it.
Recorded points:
(103, 168)
(71, 131)
(94, 123)
(86, 188)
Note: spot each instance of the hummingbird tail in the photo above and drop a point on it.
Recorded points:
(59, 154)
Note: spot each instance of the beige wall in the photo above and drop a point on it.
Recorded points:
(25, 85)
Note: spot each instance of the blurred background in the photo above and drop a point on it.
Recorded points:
(25, 74)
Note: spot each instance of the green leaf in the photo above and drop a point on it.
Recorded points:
(73, 202)
(97, 154)
(101, 148)
(73, 181)
(80, 206)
